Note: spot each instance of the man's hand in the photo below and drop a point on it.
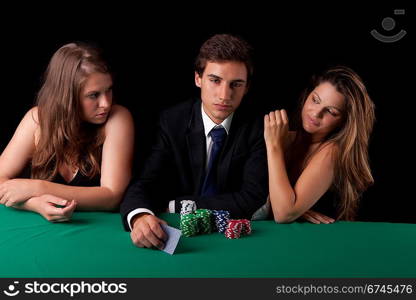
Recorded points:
(147, 232)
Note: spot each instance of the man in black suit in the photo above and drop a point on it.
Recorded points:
(206, 151)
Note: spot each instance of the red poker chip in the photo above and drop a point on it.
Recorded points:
(246, 226)
(237, 227)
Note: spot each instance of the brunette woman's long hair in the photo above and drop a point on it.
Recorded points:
(64, 138)
(352, 174)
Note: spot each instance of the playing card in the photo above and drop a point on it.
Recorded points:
(174, 235)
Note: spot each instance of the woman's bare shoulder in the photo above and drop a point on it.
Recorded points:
(120, 118)
(30, 121)
(32, 118)
(32, 115)
(329, 147)
(118, 111)
(327, 150)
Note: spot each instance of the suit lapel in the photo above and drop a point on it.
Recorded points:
(196, 144)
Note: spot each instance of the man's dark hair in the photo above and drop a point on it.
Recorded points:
(224, 47)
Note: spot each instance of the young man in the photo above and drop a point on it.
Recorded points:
(207, 150)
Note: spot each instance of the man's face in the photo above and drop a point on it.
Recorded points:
(223, 85)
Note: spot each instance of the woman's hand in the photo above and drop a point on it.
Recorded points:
(45, 205)
(276, 128)
(15, 191)
(317, 218)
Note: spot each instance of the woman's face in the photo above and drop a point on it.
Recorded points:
(96, 98)
(323, 111)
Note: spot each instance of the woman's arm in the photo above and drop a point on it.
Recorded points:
(115, 171)
(14, 158)
(52, 208)
(289, 203)
(316, 217)
(20, 148)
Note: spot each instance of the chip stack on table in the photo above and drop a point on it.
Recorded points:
(246, 226)
(189, 221)
(195, 223)
(220, 220)
(189, 225)
(204, 220)
(187, 207)
(236, 228)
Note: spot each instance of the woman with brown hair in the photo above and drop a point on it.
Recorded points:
(78, 143)
(327, 154)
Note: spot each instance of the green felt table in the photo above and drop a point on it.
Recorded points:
(94, 244)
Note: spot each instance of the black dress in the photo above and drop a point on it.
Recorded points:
(78, 180)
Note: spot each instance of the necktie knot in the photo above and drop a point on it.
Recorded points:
(218, 134)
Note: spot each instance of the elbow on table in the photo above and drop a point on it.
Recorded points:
(113, 203)
(283, 217)
(113, 200)
(285, 213)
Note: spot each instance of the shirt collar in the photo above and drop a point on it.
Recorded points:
(209, 124)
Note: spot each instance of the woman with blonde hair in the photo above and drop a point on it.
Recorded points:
(78, 144)
(326, 155)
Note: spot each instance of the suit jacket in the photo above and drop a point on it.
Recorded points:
(175, 169)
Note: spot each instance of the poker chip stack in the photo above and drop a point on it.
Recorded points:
(194, 221)
(246, 226)
(220, 220)
(236, 228)
(204, 220)
(187, 207)
(189, 225)
(233, 230)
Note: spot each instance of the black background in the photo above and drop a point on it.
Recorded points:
(152, 50)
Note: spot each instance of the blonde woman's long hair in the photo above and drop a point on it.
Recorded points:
(64, 137)
(352, 174)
